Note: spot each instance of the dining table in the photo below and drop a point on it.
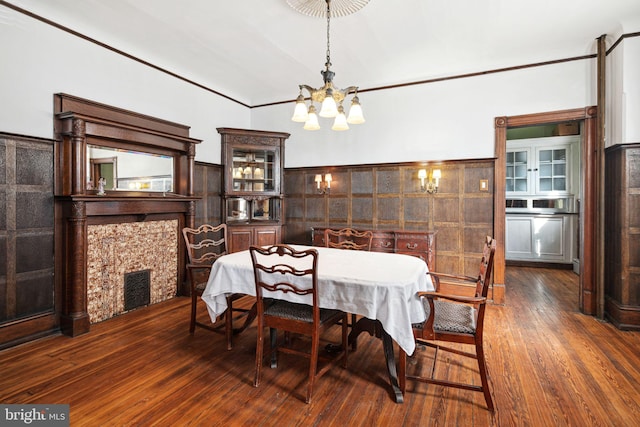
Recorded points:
(378, 286)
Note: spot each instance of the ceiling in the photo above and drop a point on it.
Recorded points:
(258, 51)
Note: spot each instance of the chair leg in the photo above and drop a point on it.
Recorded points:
(259, 354)
(313, 365)
(273, 336)
(482, 367)
(345, 341)
(192, 323)
(228, 323)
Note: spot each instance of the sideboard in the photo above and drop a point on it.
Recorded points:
(416, 243)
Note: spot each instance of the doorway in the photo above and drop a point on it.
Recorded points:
(543, 190)
(106, 168)
(587, 245)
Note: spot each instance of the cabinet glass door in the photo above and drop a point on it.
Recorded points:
(552, 170)
(517, 173)
(253, 170)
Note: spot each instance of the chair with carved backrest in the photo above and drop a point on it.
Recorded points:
(456, 319)
(281, 268)
(348, 238)
(205, 245)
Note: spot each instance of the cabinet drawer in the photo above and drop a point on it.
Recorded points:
(383, 242)
(409, 243)
(317, 237)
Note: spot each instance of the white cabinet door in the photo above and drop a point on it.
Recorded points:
(519, 237)
(518, 171)
(548, 238)
(552, 169)
(539, 238)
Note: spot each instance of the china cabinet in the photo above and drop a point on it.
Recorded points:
(542, 166)
(252, 200)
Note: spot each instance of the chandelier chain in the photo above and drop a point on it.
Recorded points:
(328, 63)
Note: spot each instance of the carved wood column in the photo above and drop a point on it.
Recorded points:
(191, 156)
(78, 148)
(75, 319)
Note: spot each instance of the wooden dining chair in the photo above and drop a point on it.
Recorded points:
(205, 245)
(348, 238)
(455, 319)
(282, 269)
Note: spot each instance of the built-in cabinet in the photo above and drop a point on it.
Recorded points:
(540, 237)
(622, 236)
(253, 199)
(542, 188)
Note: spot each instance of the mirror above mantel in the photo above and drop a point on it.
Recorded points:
(137, 155)
(127, 170)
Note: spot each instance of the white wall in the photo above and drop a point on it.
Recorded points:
(452, 119)
(623, 93)
(631, 90)
(38, 60)
(445, 120)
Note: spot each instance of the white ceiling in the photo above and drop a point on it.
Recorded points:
(258, 51)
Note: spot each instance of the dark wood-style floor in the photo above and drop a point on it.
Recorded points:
(549, 365)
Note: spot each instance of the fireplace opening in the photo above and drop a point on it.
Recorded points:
(137, 289)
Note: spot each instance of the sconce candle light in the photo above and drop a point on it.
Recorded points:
(326, 188)
(432, 185)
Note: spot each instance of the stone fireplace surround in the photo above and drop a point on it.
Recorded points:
(113, 250)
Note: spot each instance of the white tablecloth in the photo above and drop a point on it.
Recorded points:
(376, 285)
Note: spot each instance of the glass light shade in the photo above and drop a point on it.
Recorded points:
(312, 120)
(355, 112)
(318, 178)
(422, 173)
(300, 113)
(436, 174)
(340, 123)
(329, 107)
(328, 179)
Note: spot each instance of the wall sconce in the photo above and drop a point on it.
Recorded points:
(432, 185)
(326, 188)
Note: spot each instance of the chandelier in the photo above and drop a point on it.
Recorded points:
(328, 96)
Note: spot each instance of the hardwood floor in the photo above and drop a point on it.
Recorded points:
(549, 365)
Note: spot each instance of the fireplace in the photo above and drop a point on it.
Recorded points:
(101, 236)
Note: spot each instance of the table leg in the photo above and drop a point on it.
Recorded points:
(374, 328)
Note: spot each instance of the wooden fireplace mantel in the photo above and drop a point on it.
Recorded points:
(77, 123)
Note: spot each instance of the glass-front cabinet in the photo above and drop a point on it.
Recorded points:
(542, 167)
(252, 170)
(252, 199)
